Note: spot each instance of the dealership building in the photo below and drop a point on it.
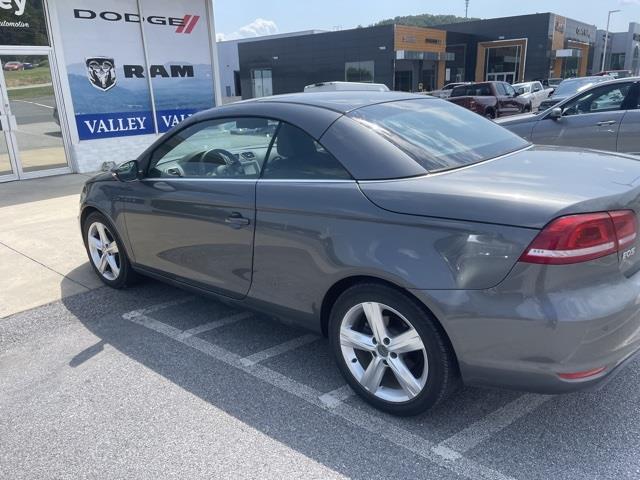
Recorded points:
(87, 83)
(406, 58)
(623, 49)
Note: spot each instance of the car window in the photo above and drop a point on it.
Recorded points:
(296, 155)
(500, 89)
(474, 90)
(437, 134)
(228, 148)
(509, 89)
(603, 99)
(537, 87)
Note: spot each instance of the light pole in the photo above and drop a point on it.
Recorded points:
(606, 39)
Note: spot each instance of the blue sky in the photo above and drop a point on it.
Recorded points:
(247, 18)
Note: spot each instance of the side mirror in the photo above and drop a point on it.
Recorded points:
(556, 113)
(126, 172)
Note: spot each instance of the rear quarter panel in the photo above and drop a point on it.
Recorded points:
(311, 235)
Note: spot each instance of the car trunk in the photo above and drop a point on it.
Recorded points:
(525, 189)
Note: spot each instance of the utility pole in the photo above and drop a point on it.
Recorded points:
(466, 8)
(606, 39)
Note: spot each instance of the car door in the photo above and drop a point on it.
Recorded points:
(192, 216)
(538, 95)
(514, 104)
(302, 200)
(629, 134)
(591, 119)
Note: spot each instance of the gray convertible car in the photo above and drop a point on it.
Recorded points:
(605, 116)
(432, 246)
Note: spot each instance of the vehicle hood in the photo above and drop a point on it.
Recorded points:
(528, 188)
(517, 119)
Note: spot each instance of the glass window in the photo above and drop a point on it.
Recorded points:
(504, 60)
(296, 155)
(473, 90)
(603, 99)
(262, 82)
(359, 71)
(229, 148)
(437, 134)
(509, 90)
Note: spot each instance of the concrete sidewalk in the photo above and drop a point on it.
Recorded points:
(42, 258)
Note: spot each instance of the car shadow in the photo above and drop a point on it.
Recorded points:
(38, 189)
(334, 441)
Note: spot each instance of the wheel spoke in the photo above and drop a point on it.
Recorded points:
(95, 242)
(102, 233)
(408, 341)
(353, 339)
(373, 312)
(113, 265)
(102, 266)
(373, 375)
(404, 376)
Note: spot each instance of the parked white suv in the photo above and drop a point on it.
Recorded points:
(534, 92)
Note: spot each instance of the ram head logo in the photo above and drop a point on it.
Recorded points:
(101, 72)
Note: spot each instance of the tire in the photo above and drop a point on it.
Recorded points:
(527, 108)
(117, 271)
(363, 360)
(490, 114)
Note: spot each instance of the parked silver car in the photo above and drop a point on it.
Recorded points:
(605, 117)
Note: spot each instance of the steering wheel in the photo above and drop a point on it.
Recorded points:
(231, 165)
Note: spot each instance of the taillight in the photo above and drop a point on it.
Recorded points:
(583, 237)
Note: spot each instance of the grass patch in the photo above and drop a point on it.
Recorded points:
(22, 78)
(26, 93)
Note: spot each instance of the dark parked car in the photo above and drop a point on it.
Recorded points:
(605, 116)
(569, 87)
(429, 244)
(489, 99)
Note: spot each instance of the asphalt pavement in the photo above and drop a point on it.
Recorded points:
(154, 382)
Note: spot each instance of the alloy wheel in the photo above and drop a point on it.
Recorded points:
(384, 352)
(103, 250)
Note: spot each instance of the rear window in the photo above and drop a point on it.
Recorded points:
(437, 134)
(475, 90)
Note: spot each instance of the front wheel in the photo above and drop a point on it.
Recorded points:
(390, 350)
(106, 252)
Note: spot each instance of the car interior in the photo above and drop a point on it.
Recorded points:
(198, 152)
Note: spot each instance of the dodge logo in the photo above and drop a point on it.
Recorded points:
(101, 72)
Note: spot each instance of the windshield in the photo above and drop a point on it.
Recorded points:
(575, 85)
(437, 134)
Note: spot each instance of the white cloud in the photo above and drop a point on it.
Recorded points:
(257, 28)
(629, 2)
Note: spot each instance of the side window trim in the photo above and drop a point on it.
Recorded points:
(148, 157)
(268, 155)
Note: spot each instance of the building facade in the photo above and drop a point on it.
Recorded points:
(522, 48)
(84, 83)
(623, 50)
(511, 49)
(229, 62)
(403, 58)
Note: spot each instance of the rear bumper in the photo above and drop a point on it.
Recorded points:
(525, 332)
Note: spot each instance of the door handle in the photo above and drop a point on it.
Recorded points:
(606, 123)
(236, 220)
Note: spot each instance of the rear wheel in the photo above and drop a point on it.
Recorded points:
(106, 252)
(390, 350)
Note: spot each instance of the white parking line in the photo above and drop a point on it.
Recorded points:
(361, 418)
(37, 104)
(335, 397)
(278, 349)
(215, 324)
(478, 432)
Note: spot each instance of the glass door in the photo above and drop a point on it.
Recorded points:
(33, 138)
